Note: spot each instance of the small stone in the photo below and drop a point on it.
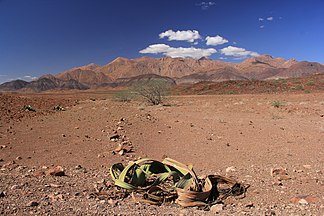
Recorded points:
(32, 204)
(55, 185)
(56, 171)
(119, 147)
(249, 205)
(230, 169)
(280, 173)
(14, 187)
(217, 208)
(307, 166)
(2, 194)
(121, 152)
(112, 202)
(303, 202)
(184, 212)
(39, 173)
(114, 137)
(77, 167)
(18, 158)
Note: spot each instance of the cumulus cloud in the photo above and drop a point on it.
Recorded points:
(238, 52)
(175, 52)
(269, 18)
(206, 5)
(29, 78)
(217, 40)
(188, 35)
(262, 26)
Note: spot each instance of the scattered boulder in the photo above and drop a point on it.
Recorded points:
(217, 208)
(280, 174)
(55, 171)
(304, 199)
(230, 169)
(32, 204)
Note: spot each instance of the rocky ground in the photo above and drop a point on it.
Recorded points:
(273, 142)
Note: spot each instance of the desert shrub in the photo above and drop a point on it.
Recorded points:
(231, 92)
(297, 87)
(124, 95)
(152, 90)
(310, 83)
(278, 104)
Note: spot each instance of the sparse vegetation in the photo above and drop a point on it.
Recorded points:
(278, 104)
(124, 95)
(297, 87)
(29, 108)
(152, 90)
(231, 92)
(310, 83)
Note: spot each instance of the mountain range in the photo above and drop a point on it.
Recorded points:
(123, 71)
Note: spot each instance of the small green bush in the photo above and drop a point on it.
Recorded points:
(278, 104)
(153, 91)
(124, 96)
(297, 87)
(310, 83)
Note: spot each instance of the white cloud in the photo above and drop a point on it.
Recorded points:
(237, 52)
(188, 35)
(262, 26)
(261, 19)
(270, 18)
(217, 40)
(29, 78)
(205, 5)
(175, 52)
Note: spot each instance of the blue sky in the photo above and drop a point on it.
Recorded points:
(49, 36)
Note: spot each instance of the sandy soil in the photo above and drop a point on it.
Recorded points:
(241, 136)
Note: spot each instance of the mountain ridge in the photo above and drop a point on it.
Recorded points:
(182, 70)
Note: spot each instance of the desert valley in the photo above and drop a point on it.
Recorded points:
(260, 122)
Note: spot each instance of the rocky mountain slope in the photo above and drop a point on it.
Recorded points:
(182, 70)
(44, 83)
(193, 70)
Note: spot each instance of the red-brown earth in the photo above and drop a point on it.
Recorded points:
(241, 136)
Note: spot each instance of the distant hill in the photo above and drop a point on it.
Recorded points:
(131, 80)
(122, 71)
(13, 85)
(44, 83)
(192, 70)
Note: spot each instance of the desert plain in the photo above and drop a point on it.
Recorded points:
(246, 137)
